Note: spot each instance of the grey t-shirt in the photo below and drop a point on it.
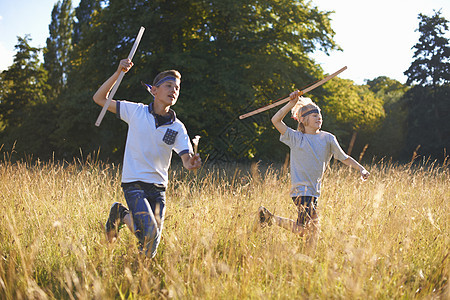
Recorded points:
(310, 155)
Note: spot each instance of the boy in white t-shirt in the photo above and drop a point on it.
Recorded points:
(311, 150)
(153, 133)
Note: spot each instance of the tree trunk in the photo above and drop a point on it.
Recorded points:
(352, 143)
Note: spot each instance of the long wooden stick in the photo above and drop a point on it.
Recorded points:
(308, 89)
(119, 79)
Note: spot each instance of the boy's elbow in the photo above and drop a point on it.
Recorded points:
(273, 119)
(276, 121)
(97, 99)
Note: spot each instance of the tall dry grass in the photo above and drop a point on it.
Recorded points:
(387, 238)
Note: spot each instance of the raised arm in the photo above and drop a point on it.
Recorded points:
(101, 95)
(277, 118)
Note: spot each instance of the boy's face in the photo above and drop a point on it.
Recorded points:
(168, 92)
(313, 121)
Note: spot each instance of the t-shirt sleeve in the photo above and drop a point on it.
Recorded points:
(336, 149)
(126, 110)
(183, 143)
(290, 137)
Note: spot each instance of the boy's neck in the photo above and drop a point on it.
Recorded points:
(311, 130)
(160, 109)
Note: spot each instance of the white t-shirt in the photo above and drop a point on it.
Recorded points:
(310, 155)
(148, 148)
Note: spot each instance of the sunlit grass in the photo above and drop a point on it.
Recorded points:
(381, 239)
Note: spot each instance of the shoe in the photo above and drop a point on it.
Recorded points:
(115, 220)
(265, 216)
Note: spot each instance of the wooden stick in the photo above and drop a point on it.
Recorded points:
(302, 92)
(195, 141)
(119, 79)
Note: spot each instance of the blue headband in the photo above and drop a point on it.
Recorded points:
(148, 87)
(167, 78)
(312, 111)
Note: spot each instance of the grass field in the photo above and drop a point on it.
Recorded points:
(386, 238)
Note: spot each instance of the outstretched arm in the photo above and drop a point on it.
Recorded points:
(101, 96)
(355, 165)
(277, 118)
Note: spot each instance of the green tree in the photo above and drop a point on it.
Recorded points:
(26, 119)
(26, 81)
(428, 122)
(432, 56)
(5, 87)
(83, 14)
(389, 140)
(59, 46)
(233, 55)
(350, 109)
(75, 130)
(383, 85)
(428, 102)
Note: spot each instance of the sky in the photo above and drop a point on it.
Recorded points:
(376, 36)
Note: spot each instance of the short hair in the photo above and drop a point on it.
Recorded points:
(303, 105)
(166, 73)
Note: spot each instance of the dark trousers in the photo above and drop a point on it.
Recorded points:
(146, 203)
(307, 206)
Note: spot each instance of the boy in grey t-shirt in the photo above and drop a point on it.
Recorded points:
(311, 152)
(310, 155)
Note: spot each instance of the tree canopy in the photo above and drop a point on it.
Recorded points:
(59, 46)
(432, 56)
(23, 103)
(428, 102)
(234, 56)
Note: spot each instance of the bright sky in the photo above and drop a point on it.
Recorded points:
(376, 36)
